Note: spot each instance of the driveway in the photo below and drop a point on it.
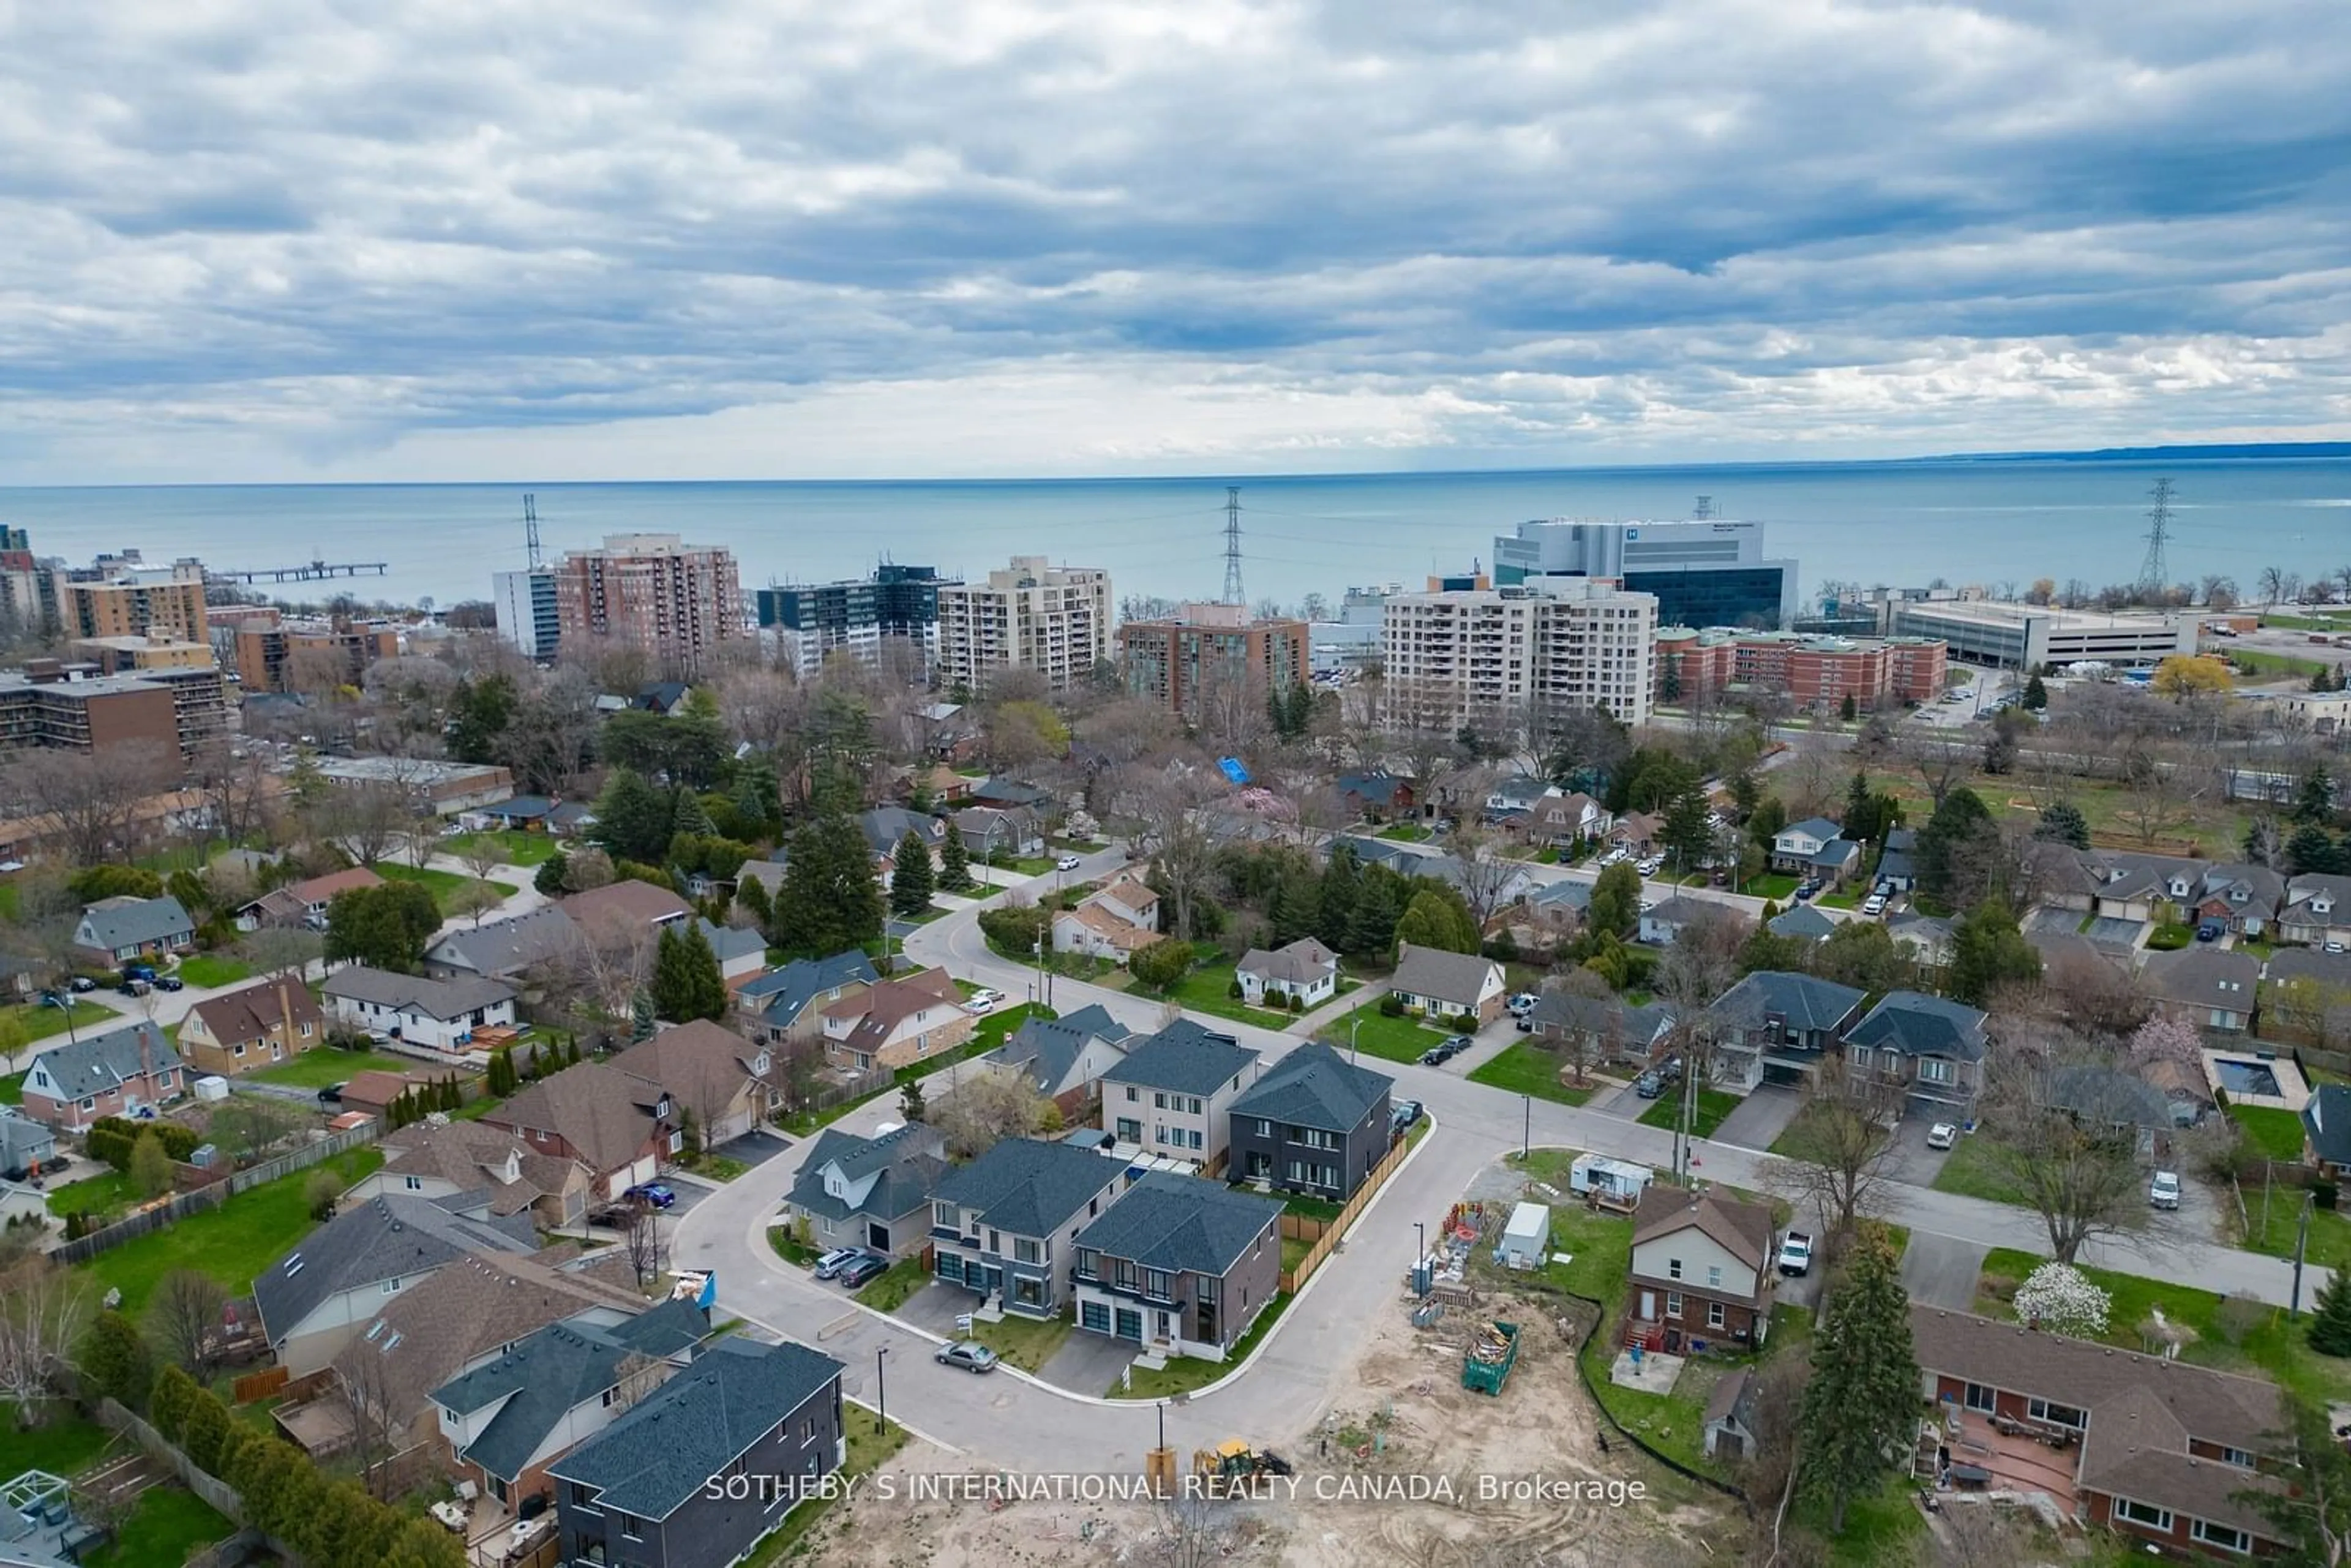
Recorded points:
(1762, 1117)
(1088, 1363)
(1912, 1161)
(936, 1307)
(1941, 1270)
(755, 1148)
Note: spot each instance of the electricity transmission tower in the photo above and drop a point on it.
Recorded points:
(1233, 545)
(2152, 572)
(530, 528)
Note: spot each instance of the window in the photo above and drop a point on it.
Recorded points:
(306, 1031)
(1131, 1095)
(1980, 1398)
(2237, 1456)
(1089, 1262)
(2227, 1538)
(1934, 1070)
(2136, 1513)
(414, 1184)
(631, 1528)
(1714, 1276)
(1713, 1317)
(1130, 1130)
(1123, 1274)
(677, 1141)
(584, 1497)
(1026, 1251)
(390, 1286)
(1192, 1104)
(1154, 1283)
(2056, 1414)
(1264, 1128)
(1209, 1288)
(1673, 1303)
(1673, 1268)
(610, 1394)
(1158, 1102)
(943, 1215)
(1195, 1139)
(1860, 1055)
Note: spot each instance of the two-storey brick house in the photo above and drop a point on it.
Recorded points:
(1701, 1270)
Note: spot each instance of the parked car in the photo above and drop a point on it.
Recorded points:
(1806, 890)
(170, 983)
(867, 1267)
(2333, 947)
(333, 1094)
(652, 1193)
(982, 1001)
(1404, 1113)
(2163, 1192)
(1067, 862)
(138, 971)
(1796, 1253)
(969, 1355)
(1526, 1023)
(1650, 1084)
(1435, 1056)
(1873, 904)
(1525, 1002)
(84, 983)
(834, 1261)
(1942, 1136)
(135, 987)
(2209, 930)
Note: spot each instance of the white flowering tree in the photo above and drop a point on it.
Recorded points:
(2058, 1297)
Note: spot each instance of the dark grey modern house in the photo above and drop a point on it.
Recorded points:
(1313, 1123)
(1179, 1266)
(706, 1464)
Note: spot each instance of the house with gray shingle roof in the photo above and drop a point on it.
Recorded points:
(789, 1002)
(1777, 1026)
(1180, 1267)
(1663, 925)
(75, 1083)
(874, 1193)
(1173, 1093)
(1600, 1029)
(637, 1491)
(741, 951)
(1924, 1049)
(1312, 1123)
(1064, 1059)
(1007, 1224)
(318, 1296)
(1816, 847)
(1433, 981)
(441, 1014)
(1304, 969)
(2211, 987)
(2317, 910)
(510, 1413)
(505, 949)
(1804, 923)
(618, 1124)
(125, 930)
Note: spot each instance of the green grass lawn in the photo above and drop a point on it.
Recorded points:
(515, 847)
(1024, 1343)
(1525, 1068)
(1880, 1527)
(2274, 1225)
(1027, 865)
(1713, 1105)
(324, 1064)
(232, 1243)
(94, 1195)
(1186, 1374)
(1840, 900)
(167, 1526)
(12, 1089)
(2275, 1134)
(63, 1444)
(444, 886)
(1770, 885)
(1205, 989)
(40, 1023)
(790, 1247)
(7, 901)
(1404, 833)
(1971, 1171)
(2263, 1340)
(209, 970)
(891, 1290)
(1391, 1039)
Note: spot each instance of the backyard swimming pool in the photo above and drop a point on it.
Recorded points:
(2245, 1078)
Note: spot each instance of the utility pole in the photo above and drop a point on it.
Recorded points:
(2152, 571)
(1233, 545)
(1526, 1127)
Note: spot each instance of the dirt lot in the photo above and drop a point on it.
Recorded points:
(1400, 1420)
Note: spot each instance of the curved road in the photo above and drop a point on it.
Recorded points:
(1010, 1420)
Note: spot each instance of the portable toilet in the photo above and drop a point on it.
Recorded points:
(1525, 1240)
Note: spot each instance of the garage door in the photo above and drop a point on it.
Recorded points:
(1094, 1316)
(1130, 1324)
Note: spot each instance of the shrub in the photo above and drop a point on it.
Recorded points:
(1297, 1003)
(2323, 1192)
(2060, 1297)
(1391, 1006)
(1233, 991)
(1015, 930)
(2239, 1315)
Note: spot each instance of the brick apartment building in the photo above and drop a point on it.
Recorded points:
(74, 707)
(675, 601)
(282, 656)
(1812, 671)
(123, 597)
(1175, 662)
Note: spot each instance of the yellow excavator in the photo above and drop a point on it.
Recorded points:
(1234, 1456)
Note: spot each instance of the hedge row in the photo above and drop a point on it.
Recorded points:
(111, 1139)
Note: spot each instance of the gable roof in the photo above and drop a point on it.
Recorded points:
(1741, 1229)
(2327, 1123)
(473, 1157)
(322, 889)
(1806, 1002)
(1601, 1015)
(1376, 788)
(98, 1062)
(118, 923)
(1184, 1059)
(1805, 922)
(2321, 969)
(1813, 828)
(906, 1161)
(504, 948)
(1314, 1087)
(1182, 1223)
(1675, 911)
(2335, 889)
(606, 1114)
(1446, 976)
(1046, 1050)
(1300, 963)
(389, 1237)
(999, 791)
(1919, 1025)
(883, 826)
(731, 942)
(702, 1064)
(1118, 933)
(1027, 1187)
(630, 903)
(444, 1000)
(2106, 1097)
(784, 994)
(250, 1013)
(2204, 975)
(886, 1004)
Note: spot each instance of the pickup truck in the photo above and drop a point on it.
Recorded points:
(1796, 1253)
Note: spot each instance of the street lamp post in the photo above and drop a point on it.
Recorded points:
(1353, 1055)
(1527, 1128)
(881, 1393)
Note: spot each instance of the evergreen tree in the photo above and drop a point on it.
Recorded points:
(954, 864)
(687, 815)
(641, 1018)
(1686, 831)
(1849, 710)
(910, 1101)
(1297, 907)
(2063, 824)
(548, 880)
(1860, 815)
(113, 1355)
(1860, 1412)
(751, 896)
(2036, 694)
(831, 900)
(1957, 823)
(1615, 906)
(571, 1051)
(1989, 951)
(1302, 709)
(1436, 919)
(2311, 852)
(686, 982)
(1335, 900)
(2330, 1317)
(633, 818)
(2313, 801)
(1371, 930)
(909, 877)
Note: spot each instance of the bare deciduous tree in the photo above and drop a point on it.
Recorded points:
(640, 1233)
(1840, 1147)
(2079, 1173)
(43, 1311)
(983, 1110)
(183, 1319)
(87, 804)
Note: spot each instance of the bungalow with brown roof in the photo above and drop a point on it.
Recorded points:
(620, 1126)
(626, 906)
(1701, 1270)
(373, 1091)
(257, 1025)
(469, 1157)
(896, 1022)
(304, 903)
(719, 1080)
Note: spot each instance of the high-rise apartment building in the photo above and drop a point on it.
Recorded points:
(1051, 619)
(813, 621)
(1179, 662)
(28, 593)
(525, 608)
(122, 596)
(1708, 573)
(1488, 659)
(675, 601)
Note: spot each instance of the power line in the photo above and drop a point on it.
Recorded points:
(2152, 571)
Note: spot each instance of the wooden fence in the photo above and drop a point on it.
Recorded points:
(211, 1487)
(279, 1382)
(1328, 1236)
(82, 1249)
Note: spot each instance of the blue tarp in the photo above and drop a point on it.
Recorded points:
(1234, 771)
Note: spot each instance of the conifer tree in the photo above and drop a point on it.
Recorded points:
(910, 879)
(954, 864)
(1861, 1409)
(2330, 1317)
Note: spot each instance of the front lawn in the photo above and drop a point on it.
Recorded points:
(1208, 988)
(1026, 865)
(167, 1527)
(891, 1290)
(2275, 1135)
(209, 970)
(1391, 1039)
(1526, 1067)
(12, 1089)
(232, 1243)
(1024, 1343)
(1713, 1105)
(324, 1064)
(42, 1022)
(791, 1248)
(1187, 1373)
(1971, 1171)
(515, 847)
(444, 886)
(1775, 885)
(2273, 1225)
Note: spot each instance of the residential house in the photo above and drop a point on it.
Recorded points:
(256, 1026)
(620, 1126)
(1179, 1266)
(312, 1300)
(2243, 898)
(618, 908)
(1804, 922)
(2166, 1449)
(1897, 864)
(505, 949)
(1064, 1058)
(1006, 1224)
(2113, 1102)
(2306, 996)
(1925, 1052)
(1776, 1026)
(2143, 887)
(440, 1014)
(1173, 1093)
(1378, 796)
(1518, 794)
(1926, 938)
(26, 1148)
(638, 1492)
(513, 1413)
(1313, 1123)
(1597, 1030)
(741, 951)
(1009, 833)
(1635, 832)
(2317, 911)
(465, 1159)
(1701, 1270)
(720, 1081)
(666, 698)
(870, 1192)
(1549, 913)
(1304, 971)
(1007, 793)
(126, 930)
(886, 827)
(1438, 984)
(1662, 924)
(116, 1073)
(787, 1004)
(1564, 819)
(304, 903)
(2326, 1129)
(1115, 922)
(1129, 897)
(2212, 987)
(893, 1022)
(463, 1315)
(2184, 1088)
(1816, 847)
(523, 814)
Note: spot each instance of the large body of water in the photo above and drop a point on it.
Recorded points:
(1903, 524)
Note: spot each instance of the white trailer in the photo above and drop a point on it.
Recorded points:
(1612, 1183)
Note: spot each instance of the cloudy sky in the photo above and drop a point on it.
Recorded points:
(277, 240)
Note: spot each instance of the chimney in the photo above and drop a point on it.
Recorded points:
(285, 1013)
